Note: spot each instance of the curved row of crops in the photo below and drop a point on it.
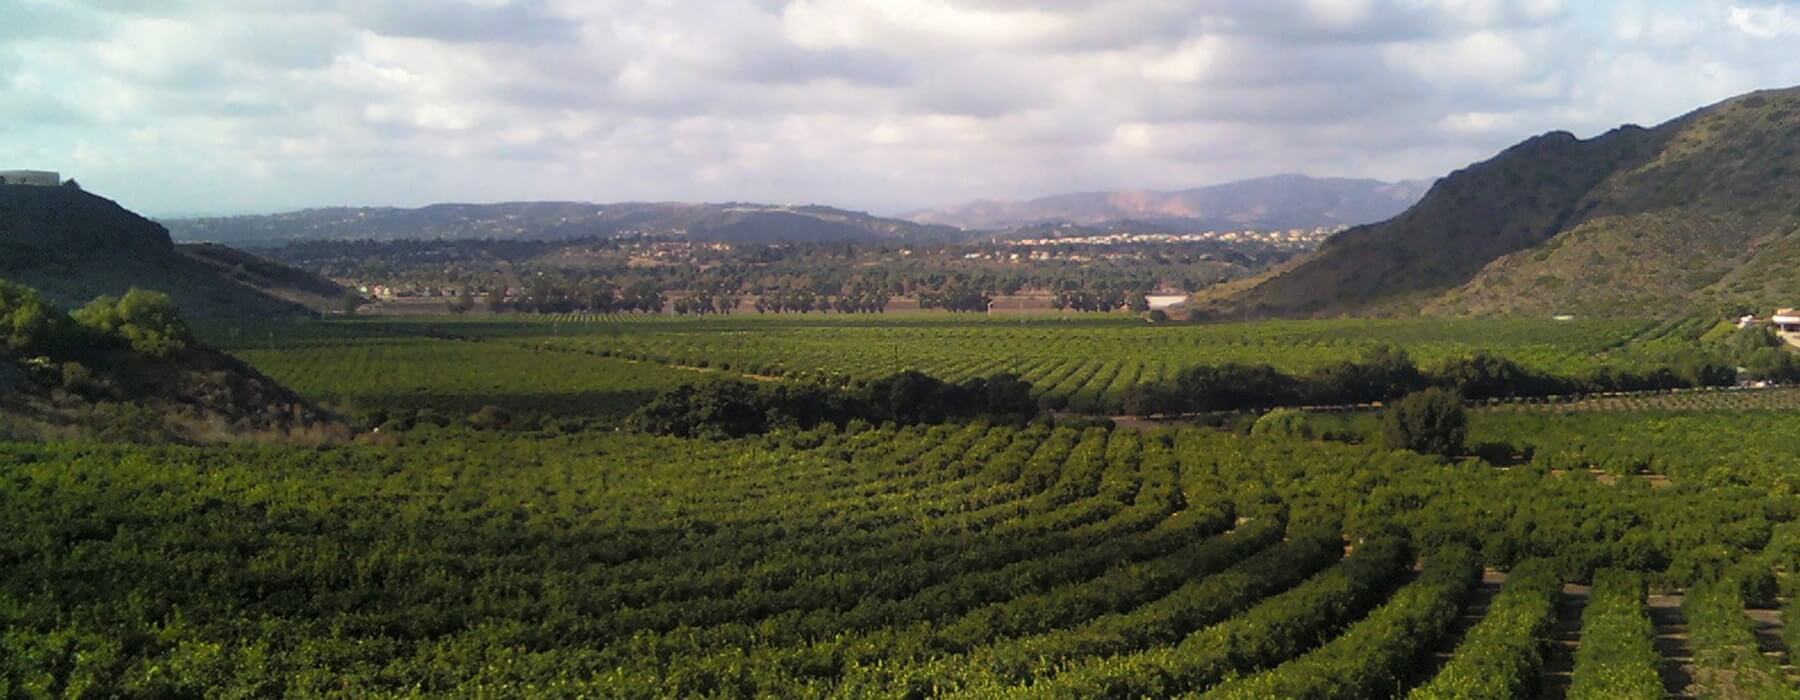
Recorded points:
(956, 560)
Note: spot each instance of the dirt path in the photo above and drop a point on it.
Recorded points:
(1768, 626)
(1673, 643)
(1565, 639)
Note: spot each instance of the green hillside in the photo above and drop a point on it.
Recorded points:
(1703, 210)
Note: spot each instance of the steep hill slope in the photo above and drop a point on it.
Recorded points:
(1701, 210)
(73, 246)
(733, 222)
(1279, 202)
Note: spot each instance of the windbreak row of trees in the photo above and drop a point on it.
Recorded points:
(1384, 373)
(730, 408)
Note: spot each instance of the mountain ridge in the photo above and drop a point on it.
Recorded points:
(1696, 211)
(73, 246)
(739, 222)
(1276, 201)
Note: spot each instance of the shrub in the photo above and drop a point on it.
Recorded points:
(490, 417)
(148, 322)
(28, 324)
(1284, 422)
(1428, 422)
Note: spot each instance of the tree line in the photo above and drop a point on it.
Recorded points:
(1385, 373)
(735, 408)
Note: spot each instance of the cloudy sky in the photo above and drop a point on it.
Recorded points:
(220, 106)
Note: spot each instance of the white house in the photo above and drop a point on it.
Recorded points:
(1787, 320)
(1164, 301)
(39, 178)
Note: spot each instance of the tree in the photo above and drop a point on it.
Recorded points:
(148, 322)
(1428, 422)
(72, 184)
(28, 323)
(1283, 422)
(350, 302)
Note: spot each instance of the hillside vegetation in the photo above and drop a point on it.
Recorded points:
(1698, 211)
(127, 368)
(72, 246)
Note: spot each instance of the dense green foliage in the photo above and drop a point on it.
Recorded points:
(1503, 655)
(1429, 422)
(29, 324)
(1729, 661)
(861, 558)
(1616, 660)
(1084, 363)
(1371, 658)
(735, 408)
(146, 321)
(1384, 374)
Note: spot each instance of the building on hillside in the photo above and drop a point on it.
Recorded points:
(1787, 320)
(1165, 301)
(37, 178)
(1747, 321)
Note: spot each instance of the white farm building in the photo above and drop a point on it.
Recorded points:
(38, 178)
(1787, 320)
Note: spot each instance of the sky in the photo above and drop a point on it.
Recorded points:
(179, 107)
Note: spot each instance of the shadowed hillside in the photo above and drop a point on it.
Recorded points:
(73, 246)
(1700, 210)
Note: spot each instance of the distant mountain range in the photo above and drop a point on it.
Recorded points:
(732, 222)
(73, 246)
(1698, 213)
(1283, 202)
(1279, 202)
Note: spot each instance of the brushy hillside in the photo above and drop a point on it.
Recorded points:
(127, 368)
(1701, 211)
(73, 246)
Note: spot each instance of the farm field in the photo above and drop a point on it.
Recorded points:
(961, 560)
(1082, 362)
(563, 556)
(363, 368)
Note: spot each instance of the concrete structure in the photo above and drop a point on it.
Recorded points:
(38, 178)
(1787, 320)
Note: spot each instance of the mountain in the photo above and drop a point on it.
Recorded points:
(731, 222)
(1703, 210)
(73, 246)
(1279, 202)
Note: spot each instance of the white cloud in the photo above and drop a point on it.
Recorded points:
(881, 104)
